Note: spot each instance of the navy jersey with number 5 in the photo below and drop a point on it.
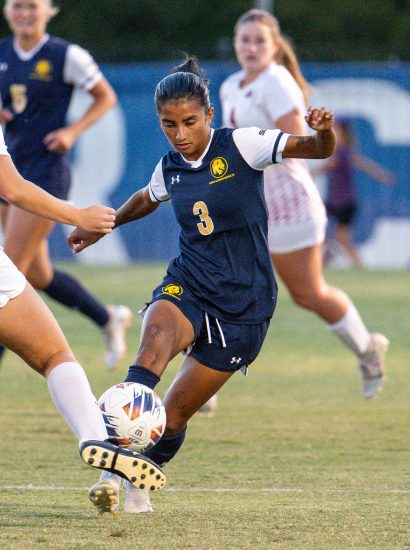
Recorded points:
(36, 88)
(219, 204)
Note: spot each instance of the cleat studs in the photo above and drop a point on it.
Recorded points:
(102, 463)
(144, 466)
(105, 454)
(152, 471)
(133, 479)
(158, 476)
(143, 476)
(135, 463)
(93, 451)
(152, 488)
(90, 461)
(142, 486)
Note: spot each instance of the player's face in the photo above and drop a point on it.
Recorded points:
(186, 126)
(254, 46)
(27, 17)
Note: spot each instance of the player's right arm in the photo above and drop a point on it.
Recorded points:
(136, 207)
(140, 204)
(27, 196)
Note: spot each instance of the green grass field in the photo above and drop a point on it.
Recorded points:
(294, 457)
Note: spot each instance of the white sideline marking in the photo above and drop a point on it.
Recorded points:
(213, 490)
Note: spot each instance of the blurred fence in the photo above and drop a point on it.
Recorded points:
(118, 155)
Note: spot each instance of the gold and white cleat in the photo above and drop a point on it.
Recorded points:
(372, 367)
(105, 495)
(142, 472)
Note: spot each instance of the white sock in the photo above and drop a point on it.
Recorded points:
(351, 330)
(72, 395)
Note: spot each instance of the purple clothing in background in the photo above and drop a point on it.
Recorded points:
(340, 189)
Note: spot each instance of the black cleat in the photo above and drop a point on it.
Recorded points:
(123, 462)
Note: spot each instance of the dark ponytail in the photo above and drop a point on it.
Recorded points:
(186, 82)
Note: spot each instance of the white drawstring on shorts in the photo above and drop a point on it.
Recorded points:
(208, 330)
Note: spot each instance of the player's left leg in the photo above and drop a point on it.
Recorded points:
(302, 273)
(29, 329)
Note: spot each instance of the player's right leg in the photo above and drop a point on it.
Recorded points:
(27, 245)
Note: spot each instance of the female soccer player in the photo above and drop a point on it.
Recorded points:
(219, 294)
(341, 199)
(270, 92)
(28, 328)
(37, 78)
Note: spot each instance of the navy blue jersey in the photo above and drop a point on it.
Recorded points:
(35, 92)
(224, 259)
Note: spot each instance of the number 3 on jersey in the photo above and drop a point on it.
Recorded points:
(206, 226)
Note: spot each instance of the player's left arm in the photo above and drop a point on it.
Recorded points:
(63, 139)
(320, 145)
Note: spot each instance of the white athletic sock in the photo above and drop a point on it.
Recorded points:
(72, 395)
(351, 330)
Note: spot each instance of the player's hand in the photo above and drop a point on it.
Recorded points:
(5, 116)
(99, 219)
(60, 140)
(319, 119)
(80, 239)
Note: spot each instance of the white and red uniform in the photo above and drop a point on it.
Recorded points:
(12, 281)
(297, 216)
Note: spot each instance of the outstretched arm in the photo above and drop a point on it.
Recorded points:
(137, 206)
(373, 169)
(320, 145)
(27, 196)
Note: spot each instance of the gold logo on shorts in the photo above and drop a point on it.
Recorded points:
(173, 290)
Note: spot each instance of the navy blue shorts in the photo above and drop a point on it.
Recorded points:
(343, 214)
(50, 171)
(218, 344)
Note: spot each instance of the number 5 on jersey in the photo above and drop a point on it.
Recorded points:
(206, 226)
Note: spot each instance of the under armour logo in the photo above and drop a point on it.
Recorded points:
(175, 179)
(236, 360)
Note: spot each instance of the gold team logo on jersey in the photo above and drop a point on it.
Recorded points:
(173, 290)
(218, 168)
(42, 70)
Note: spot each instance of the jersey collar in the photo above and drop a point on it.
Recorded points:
(198, 163)
(26, 56)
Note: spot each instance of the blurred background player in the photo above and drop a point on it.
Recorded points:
(341, 198)
(219, 294)
(270, 92)
(36, 84)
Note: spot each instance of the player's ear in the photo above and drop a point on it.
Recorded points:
(210, 115)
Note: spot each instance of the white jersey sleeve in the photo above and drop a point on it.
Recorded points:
(3, 147)
(156, 186)
(260, 148)
(80, 69)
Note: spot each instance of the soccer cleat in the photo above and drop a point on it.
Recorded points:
(105, 495)
(209, 408)
(134, 467)
(136, 500)
(114, 331)
(371, 366)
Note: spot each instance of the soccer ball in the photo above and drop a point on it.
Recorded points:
(134, 415)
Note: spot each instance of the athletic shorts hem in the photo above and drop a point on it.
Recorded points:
(214, 367)
(290, 238)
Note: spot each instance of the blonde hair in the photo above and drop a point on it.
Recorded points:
(53, 10)
(285, 55)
